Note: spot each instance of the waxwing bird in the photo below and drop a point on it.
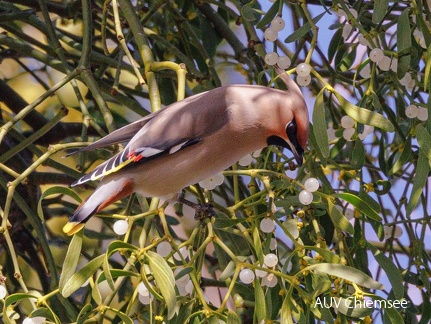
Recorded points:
(194, 139)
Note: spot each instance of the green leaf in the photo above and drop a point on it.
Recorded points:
(334, 45)
(365, 207)
(247, 12)
(393, 273)
(84, 314)
(286, 310)
(259, 296)
(165, 280)
(419, 181)
(303, 30)
(424, 140)
(347, 307)
(364, 116)
(427, 68)
(338, 219)
(71, 261)
(56, 190)
(269, 16)
(379, 10)
(404, 43)
(319, 125)
(327, 255)
(80, 277)
(258, 245)
(391, 312)
(14, 298)
(232, 318)
(358, 155)
(228, 271)
(124, 318)
(346, 272)
(405, 157)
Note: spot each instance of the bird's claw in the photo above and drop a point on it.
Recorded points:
(204, 210)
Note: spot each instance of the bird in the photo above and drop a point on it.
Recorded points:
(193, 139)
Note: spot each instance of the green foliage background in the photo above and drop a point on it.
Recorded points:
(72, 71)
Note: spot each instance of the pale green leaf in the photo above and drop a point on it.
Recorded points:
(71, 260)
(338, 219)
(232, 318)
(404, 43)
(363, 115)
(165, 280)
(260, 308)
(320, 128)
(424, 140)
(379, 10)
(56, 190)
(363, 205)
(303, 30)
(269, 16)
(347, 273)
(419, 181)
(393, 273)
(80, 277)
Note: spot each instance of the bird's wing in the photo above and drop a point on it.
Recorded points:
(167, 131)
(130, 157)
(121, 135)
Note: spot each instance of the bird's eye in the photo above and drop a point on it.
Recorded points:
(291, 130)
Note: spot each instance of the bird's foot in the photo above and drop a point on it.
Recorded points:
(202, 210)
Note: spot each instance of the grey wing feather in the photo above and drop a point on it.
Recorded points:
(121, 135)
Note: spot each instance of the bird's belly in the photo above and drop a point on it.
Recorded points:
(168, 175)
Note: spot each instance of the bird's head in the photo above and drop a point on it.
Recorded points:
(293, 124)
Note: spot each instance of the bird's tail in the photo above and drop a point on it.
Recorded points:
(106, 193)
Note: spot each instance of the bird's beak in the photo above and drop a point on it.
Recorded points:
(298, 153)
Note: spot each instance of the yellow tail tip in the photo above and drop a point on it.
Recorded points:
(73, 228)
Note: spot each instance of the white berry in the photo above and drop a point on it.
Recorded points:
(311, 184)
(189, 287)
(347, 29)
(365, 72)
(164, 248)
(278, 24)
(184, 252)
(270, 280)
(394, 65)
(267, 225)
(422, 114)
(363, 41)
(212, 182)
(246, 276)
(303, 81)
(303, 69)
(273, 244)
(347, 122)
(145, 300)
(34, 320)
(271, 58)
(305, 197)
(271, 34)
(121, 226)
(385, 63)
(348, 134)
(284, 62)
(271, 260)
(246, 160)
(376, 55)
(412, 111)
(261, 273)
(143, 290)
(353, 12)
(2, 292)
